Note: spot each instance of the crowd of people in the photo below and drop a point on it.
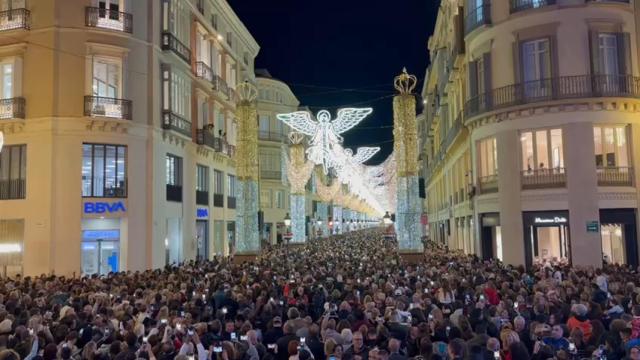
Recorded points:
(347, 297)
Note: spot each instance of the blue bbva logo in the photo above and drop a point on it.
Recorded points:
(103, 207)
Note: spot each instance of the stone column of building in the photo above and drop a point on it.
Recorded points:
(405, 144)
(248, 239)
(298, 172)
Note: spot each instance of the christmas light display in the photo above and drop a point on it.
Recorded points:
(324, 133)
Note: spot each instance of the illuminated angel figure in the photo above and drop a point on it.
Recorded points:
(324, 133)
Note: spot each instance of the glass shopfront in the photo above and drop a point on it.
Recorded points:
(100, 246)
(546, 237)
(619, 236)
(491, 236)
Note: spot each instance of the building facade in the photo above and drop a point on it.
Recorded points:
(541, 132)
(274, 97)
(119, 129)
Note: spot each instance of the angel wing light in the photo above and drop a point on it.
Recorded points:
(324, 133)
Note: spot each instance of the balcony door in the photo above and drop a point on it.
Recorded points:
(6, 5)
(106, 87)
(536, 69)
(609, 62)
(6, 85)
(109, 9)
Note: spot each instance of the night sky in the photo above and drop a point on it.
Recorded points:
(337, 53)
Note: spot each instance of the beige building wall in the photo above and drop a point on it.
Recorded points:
(580, 193)
(53, 59)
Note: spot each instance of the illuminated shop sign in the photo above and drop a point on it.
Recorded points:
(551, 220)
(104, 207)
(202, 213)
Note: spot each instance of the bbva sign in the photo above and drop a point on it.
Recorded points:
(99, 207)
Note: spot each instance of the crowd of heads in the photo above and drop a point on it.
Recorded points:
(348, 297)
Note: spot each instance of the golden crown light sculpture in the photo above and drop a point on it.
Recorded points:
(405, 139)
(247, 149)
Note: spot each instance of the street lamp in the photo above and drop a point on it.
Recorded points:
(287, 220)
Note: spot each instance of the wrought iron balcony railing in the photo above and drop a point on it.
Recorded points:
(477, 17)
(171, 121)
(615, 176)
(231, 202)
(521, 5)
(271, 174)
(107, 107)
(271, 136)
(488, 184)
(13, 189)
(564, 87)
(203, 71)
(108, 19)
(218, 200)
(12, 108)
(174, 193)
(171, 42)
(220, 85)
(202, 197)
(543, 178)
(15, 19)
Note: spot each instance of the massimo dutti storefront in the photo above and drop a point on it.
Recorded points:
(546, 237)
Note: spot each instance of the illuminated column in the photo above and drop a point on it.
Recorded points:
(322, 216)
(405, 146)
(298, 173)
(337, 219)
(247, 239)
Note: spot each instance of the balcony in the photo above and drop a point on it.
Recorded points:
(95, 106)
(108, 19)
(202, 198)
(13, 189)
(488, 184)
(270, 174)
(521, 5)
(171, 42)
(174, 193)
(218, 200)
(477, 17)
(271, 136)
(171, 121)
(220, 85)
(560, 88)
(12, 108)
(203, 71)
(231, 202)
(206, 137)
(543, 178)
(611, 1)
(615, 176)
(15, 19)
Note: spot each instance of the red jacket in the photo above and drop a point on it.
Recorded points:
(492, 296)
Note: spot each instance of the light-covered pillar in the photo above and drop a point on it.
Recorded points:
(247, 237)
(298, 173)
(337, 220)
(405, 147)
(323, 218)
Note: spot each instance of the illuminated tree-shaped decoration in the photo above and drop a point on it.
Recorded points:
(328, 193)
(324, 133)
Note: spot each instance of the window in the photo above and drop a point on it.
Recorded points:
(203, 50)
(174, 170)
(536, 67)
(230, 73)
(280, 199)
(203, 111)
(12, 4)
(214, 21)
(176, 92)
(202, 178)
(231, 186)
(541, 149)
(177, 19)
(265, 199)
(7, 80)
(263, 122)
(611, 146)
(488, 157)
(220, 122)
(106, 77)
(13, 172)
(270, 164)
(218, 178)
(608, 54)
(104, 170)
